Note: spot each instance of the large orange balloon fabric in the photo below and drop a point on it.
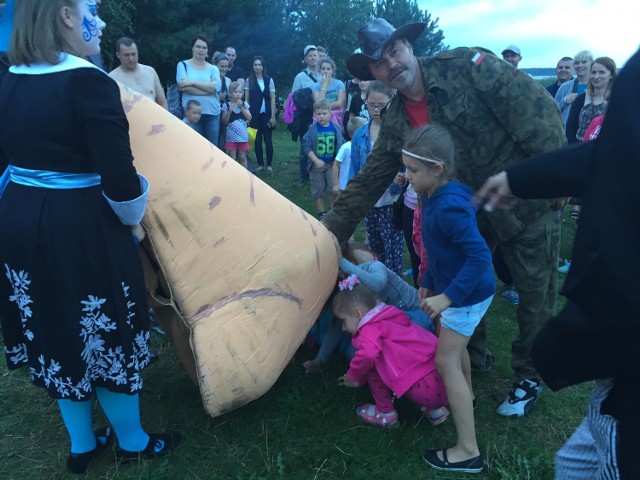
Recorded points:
(248, 270)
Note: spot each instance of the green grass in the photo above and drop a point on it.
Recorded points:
(305, 426)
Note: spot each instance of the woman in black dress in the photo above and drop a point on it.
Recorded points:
(72, 299)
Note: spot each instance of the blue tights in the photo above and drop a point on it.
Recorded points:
(122, 411)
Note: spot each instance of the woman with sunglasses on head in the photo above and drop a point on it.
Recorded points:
(199, 80)
(72, 297)
(385, 240)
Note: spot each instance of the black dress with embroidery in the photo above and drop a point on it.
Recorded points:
(72, 298)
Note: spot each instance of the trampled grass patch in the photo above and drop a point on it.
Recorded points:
(305, 427)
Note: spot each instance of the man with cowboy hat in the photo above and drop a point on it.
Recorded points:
(497, 117)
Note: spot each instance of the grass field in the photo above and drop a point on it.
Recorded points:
(305, 426)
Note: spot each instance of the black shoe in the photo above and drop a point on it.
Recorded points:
(78, 462)
(473, 465)
(159, 445)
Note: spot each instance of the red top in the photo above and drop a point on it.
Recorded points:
(417, 112)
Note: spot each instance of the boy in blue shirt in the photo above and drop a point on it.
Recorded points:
(193, 113)
(321, 144)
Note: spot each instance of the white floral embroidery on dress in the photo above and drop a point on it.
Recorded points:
(64, 386)
(17, 355)
(102, 364)
(130, 304)
(20, 284)
(112, 364)
(141, 355)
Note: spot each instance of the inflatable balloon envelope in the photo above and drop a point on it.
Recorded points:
(247, 271)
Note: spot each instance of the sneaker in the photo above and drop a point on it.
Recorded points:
(510, 296)
(269, 169)
(521, 398)
(437, 416)
(321, 215)
(565, 268)
(259, 168)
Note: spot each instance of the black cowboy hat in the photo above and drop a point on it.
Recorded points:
(373, 38)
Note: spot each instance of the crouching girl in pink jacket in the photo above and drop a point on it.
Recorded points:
(393, 355)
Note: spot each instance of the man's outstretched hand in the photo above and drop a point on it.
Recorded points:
(495, 193)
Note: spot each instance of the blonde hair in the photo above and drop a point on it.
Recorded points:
(354, 124)
(583, 55)
(235, 86)
(322, 104)
(435, 143)
(38, 32)
(348, 300)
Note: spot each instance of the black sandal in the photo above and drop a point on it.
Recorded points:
(78, 462)
(159, 445)
(473, 465)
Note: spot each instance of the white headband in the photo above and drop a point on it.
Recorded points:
(424, 159)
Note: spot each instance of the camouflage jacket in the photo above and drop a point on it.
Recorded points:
(497, 116)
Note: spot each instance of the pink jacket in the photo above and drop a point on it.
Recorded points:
(418, 244)
(399, 350)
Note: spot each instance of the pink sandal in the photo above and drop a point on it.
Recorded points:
(370, 414)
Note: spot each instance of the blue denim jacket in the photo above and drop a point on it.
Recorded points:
(360, 150)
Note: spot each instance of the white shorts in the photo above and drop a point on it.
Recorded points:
(464, 320)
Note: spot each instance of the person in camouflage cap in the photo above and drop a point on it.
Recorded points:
(497, 116)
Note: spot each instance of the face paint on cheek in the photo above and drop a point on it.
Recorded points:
(91, 28)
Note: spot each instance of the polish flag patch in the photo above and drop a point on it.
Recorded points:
(477, 58)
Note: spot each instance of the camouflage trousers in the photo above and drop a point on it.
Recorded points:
(532, 258)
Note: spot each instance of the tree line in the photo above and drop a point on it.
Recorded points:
(277, 30)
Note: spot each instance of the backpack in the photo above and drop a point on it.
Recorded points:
(289, 110)
(174, 99)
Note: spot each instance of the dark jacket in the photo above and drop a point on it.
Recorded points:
(255, 99)
(497, 116)
(303, 116)
(597, 334)
(573, 121)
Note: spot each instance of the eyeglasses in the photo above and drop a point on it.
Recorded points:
(378, 106)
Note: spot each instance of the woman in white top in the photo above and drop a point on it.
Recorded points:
(199, 80)
(260, 94)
